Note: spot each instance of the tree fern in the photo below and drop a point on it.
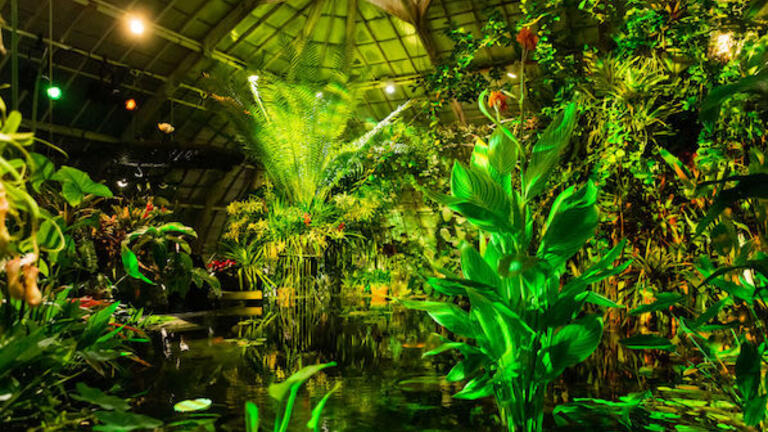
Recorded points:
(294, 123)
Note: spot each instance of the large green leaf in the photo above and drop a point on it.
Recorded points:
(648, 341)
(97, 397)
(476, 189)
(482, 217)
(755, 7)
(607, 266)
(463, 348)
(176, 227)
(457, 287)
(476, 269)
(448, 315)
(748, 370)
(749, 186)
(755, 84)
(477, 388)
(663, 302)
(50, 236)
(502, 151)
(96, 326)
(571, 222)
(754, 410)
(119, 421)
(467, 368)
(546, 153)
(575, 342)
(505, 333)
(76, 185)
(42, 170)
(131, 265)
(281, 390)
(251, 417)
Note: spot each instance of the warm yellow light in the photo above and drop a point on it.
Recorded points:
(136, 26)
(512, 75)
(724, 45)
(131, 105)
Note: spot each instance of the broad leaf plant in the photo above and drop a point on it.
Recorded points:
(526, 321)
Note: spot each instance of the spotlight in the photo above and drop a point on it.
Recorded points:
(54, 92)
(319, 95)
(512, 75)
(131, 105)
(122, 183)
(390, 89)
(136, 26)
(724, 46)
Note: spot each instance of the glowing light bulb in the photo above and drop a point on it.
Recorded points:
(136, 26)
(131, 105)
(512, 75)
(390, 89)
(122, 183)
(54, 92)
(724, 45)
(319, 95)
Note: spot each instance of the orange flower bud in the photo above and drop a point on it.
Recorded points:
(527, 39)
(13, 274)
(497, 100)
(31, 292)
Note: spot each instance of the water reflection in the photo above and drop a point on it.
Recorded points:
(385, 385)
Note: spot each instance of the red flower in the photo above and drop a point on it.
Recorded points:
(150, 207)
(341, 227)
(527, 39)
(498, 100)
(307, 219)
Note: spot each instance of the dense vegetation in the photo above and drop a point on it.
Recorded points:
(612, 200)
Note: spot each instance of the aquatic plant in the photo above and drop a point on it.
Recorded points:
(525, 318)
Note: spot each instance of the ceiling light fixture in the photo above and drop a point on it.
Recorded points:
(122, 183)
(136, 26)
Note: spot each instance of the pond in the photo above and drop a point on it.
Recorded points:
(385, 383)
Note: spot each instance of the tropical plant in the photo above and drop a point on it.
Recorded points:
(734, 309)
(285, 395)
(527, 329)
(167, 256)
(295, 124)
(44, 351)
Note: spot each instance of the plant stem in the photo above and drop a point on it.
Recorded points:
(521, 99)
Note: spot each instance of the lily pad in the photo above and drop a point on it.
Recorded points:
(190, 405)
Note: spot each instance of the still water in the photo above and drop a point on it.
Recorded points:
(385, 384)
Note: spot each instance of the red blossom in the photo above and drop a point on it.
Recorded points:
(527, 39)
(341, 227)
(221, 265)
(307, 219)
(497, 100)
(150, 207)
